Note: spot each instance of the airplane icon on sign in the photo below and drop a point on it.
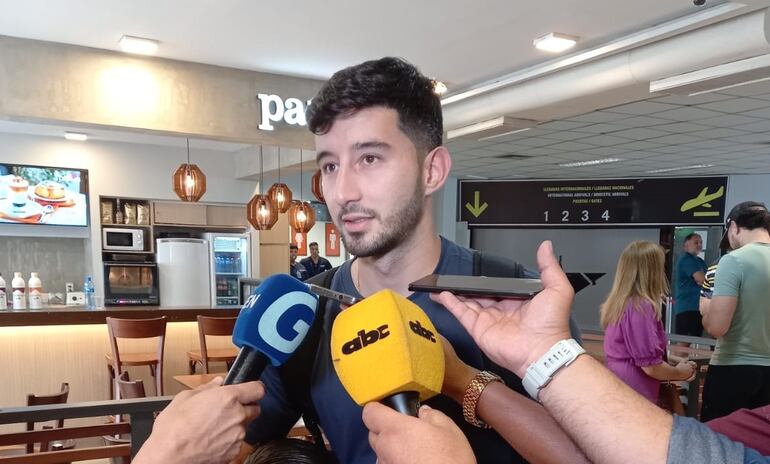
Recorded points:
(703, 199)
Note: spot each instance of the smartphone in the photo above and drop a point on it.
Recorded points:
(332, 295)
(495, 287)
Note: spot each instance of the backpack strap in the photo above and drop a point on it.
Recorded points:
(296, 372)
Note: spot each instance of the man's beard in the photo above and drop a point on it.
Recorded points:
(395, 228)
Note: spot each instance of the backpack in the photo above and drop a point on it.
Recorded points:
(295, 374)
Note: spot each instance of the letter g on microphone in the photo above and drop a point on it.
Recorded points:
(285, 322)
(275, 320)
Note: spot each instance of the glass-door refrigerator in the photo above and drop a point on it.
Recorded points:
(230, 259)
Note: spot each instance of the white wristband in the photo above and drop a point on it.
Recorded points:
(542, 371)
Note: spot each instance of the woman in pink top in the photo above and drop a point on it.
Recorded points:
(634, 338)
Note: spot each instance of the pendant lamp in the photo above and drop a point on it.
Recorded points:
(188, 181)
(279, 193)
(301, 214)
(316, 186)
(261, 212)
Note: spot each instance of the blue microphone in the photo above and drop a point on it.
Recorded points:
(271, 326)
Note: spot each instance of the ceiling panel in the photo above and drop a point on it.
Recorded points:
(730, 132)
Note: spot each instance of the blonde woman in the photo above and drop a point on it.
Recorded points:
(634, 338)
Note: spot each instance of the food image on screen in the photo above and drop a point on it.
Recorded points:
(40, 195)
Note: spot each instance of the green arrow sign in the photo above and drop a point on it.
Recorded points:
(476, 209)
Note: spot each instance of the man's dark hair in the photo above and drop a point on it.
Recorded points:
(751, 215)
(312, 244)
(387, 82)
(691, 236)
(293, 247)
(289, 451)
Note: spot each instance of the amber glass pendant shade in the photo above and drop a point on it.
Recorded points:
(189, 182)
(301, 216)
(316, 186)
(280, 195)
(261, 212)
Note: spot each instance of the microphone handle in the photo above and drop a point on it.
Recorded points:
(247, 367)
(407, 402)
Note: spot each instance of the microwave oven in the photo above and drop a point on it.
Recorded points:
(131, 283)
(115, 239)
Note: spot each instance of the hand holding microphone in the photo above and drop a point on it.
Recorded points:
(386, 349)
(271, 326)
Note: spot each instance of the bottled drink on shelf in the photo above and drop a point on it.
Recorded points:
(88, 289)
(19, 291)
(35, 292)
(3, 295)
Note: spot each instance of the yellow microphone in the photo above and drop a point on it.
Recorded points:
(385, 348)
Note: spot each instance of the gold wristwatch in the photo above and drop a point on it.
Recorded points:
(472, 395)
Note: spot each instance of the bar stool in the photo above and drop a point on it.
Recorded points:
(213, 326)
(135, 328)
(38, 400)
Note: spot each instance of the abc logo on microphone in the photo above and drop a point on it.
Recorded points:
(386, 344)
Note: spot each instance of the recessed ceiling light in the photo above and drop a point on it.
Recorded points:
(439, 88)
(555, 42)
(138, 45)
(79, 136)
(579, 164)
(680, 168)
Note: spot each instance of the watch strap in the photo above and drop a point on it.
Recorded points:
(540, 373)
(472, 395)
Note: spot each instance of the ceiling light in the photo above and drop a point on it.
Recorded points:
(680, 168)
(580, 164)
(555, 42)
(138, 45)
(79, 136)
(496, 127)
(439, 88)
(716, 78)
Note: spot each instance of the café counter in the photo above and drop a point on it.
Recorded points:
(75, 315)
(40, 349)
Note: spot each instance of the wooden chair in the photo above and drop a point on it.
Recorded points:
(38, 400)
(130, 388)
(213, 326)
(135, 328)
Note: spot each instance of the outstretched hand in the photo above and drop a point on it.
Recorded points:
(205, 425)
(430, 438)
(515, 333)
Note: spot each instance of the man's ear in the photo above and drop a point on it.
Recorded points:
(435, 169)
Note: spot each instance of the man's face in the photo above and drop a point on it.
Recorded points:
(292, 255)
(694, 246)
(314, 251)
(372, 181)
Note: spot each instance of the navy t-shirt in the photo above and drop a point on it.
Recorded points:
(341, 417)
(687, 292)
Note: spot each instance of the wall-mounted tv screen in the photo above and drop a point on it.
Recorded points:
(43, 195)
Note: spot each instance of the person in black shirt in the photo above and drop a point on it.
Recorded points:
(296, 269)
(315, 264)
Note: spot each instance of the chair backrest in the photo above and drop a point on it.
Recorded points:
(38, 400)
(215, 326)
(130, 388)
(135, 328)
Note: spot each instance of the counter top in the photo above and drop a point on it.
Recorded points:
(73, 315)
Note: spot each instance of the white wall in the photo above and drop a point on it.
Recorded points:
(119, 169)
(746, 188)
